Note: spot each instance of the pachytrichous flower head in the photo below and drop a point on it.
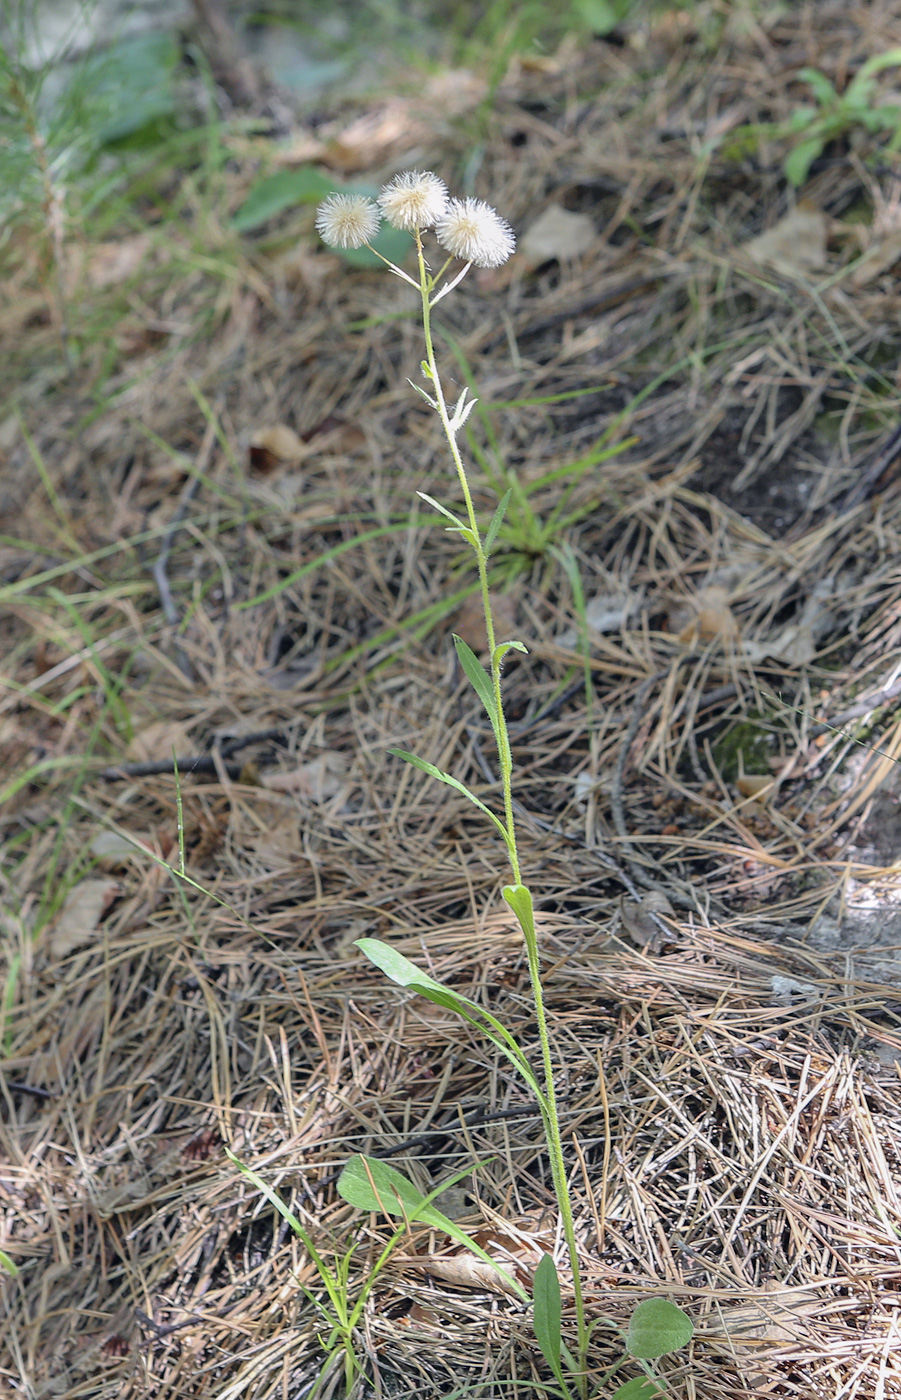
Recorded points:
(347, 220)
(472, 230)
(413, 199)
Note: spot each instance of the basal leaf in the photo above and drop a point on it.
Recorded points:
(657, 1327)
(547, 1313)
(373, 1185)
(275, 193)
(638, 1388)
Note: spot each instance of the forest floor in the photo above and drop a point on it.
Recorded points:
(212, 547)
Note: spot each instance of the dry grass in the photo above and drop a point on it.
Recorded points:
(730, 1078)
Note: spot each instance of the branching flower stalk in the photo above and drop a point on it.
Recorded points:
(471, 230)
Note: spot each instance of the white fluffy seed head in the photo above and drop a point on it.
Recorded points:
(347, 220)
(413, 199)
(472, 230)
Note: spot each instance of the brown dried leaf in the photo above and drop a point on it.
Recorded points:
(77, 921)
(795, 246)
(160, 739)
(640, 923)
(556, 233)
(275, 444)
(755, 785)
(470, 621)
(113, 849)
(317, 780)
(461, 1271)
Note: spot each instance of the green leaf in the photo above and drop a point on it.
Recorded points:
(497, 521)
(406, 974)
(274, 193)
(819, 85)
(601, 16)
(478, 677)
(547, 1313)
(657, 1327)
(373, 1185)
(392, 243)
(638, 1388)
(423, 395)
(519, 898)
(500, 651)
(797, 164)
(433, 772)
(133, 79)
(442, 510)
(7, 1264)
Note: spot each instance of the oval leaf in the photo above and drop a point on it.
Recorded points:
(657, 1327)
(638, 1388)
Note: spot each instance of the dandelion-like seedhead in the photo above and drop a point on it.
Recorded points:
(413, 199)
(347, 220)
(472, 230)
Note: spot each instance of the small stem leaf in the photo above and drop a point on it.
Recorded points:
(426, 369)
(500, 651)
(519, 898)
(497, 520)
(657, 1327)
(453, 782)
(423, 395)
(442, 510)
(370, 1184)
(638, 1388)
(478, 678)
(547, 1313)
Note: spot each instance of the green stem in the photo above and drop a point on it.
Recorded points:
(505, 756)
(517, 895)
(522, 907)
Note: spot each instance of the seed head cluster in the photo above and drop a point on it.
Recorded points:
(418, 200)
(473, 231)
(414, 199)
(347, 220)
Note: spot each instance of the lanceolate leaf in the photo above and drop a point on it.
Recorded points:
(478, 678)
(497, 521)
(442, 510)
(453, 782)
(547, 1313)
(406, 974)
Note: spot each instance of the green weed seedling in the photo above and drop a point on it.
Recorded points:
(370, 1185)
(471, 233)
(810, 128)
